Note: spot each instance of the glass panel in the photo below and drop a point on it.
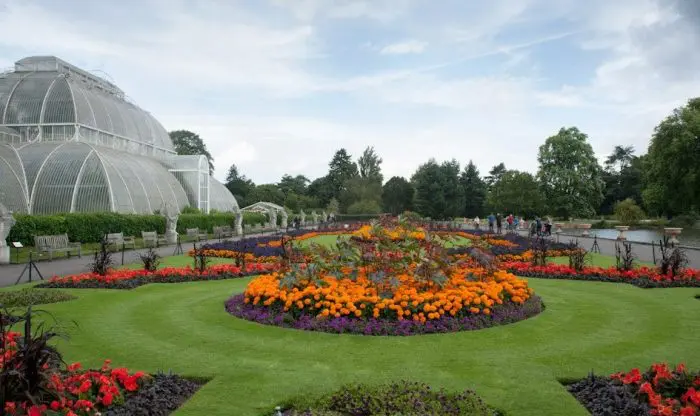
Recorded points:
(13, 193)
(53, 192)
(114, 114)
(7, 84)
(85, 114)
(220, 198)
(92, 194)
(33, 156)
(59, 104)
(104, 122)
(25, 104)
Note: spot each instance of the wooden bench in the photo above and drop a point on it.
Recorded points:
(223, 232)
(152, 239)
(195, 235)
(55, 244)
(118, 240)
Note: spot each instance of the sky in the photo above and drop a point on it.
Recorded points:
(277, 86)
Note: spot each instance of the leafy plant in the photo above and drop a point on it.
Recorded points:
(539, 247)
(201, 261)
(102, 259)
(673, 260)
(624, 259)
(24, 374)
(150, 260)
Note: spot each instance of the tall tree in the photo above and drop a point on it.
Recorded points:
(189, 143)
(358, 189)
(569, 174)
(238, 185)
(623, 176)
(397, 195)
(495, 174)
(438, 192)
(474, 191)
(293, 184)
(322, 190)
(516, 193)
(369, 165)
(673, 170)
(265, 193)
(341, 168)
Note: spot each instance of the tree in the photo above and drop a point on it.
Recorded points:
(369, 165)
(672, 168)
(321, 189)
(438, 194)
(628, 212)
(293, 184)
(360, 189)
(623, 178)
(364, 207)
(495, 174)
(265, 193)
(569, 174)
(516, 193)
(333, 206)
(341, 168)
(238, 185)
(397, 195)
(188, 143)
(474, 191)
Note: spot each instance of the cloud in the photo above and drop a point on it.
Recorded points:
(409, 46)
(277, 86)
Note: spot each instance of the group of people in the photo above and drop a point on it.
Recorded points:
(513, 223)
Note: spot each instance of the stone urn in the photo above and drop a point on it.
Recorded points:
(558, 227)
(7, 221)
(621, 232)
(585, 228)
(673, 233)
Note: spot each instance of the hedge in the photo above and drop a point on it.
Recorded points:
(90, 227)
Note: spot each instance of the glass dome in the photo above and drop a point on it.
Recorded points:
(71, 142)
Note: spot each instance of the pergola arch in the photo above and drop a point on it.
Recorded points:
(271, 209)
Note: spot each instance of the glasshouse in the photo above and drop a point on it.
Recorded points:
(71, 141)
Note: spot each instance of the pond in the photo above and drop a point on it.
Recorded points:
(688, 237)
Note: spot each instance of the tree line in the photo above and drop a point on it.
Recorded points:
(569, 183)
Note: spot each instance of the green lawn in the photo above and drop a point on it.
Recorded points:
(184, 328)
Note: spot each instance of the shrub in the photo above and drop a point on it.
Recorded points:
(397, 398)
(30, 296)
(102, 259)
(150, 260)
(91, 227)
(628, 212)
(624, 260)
(365, 206)
(686, 220)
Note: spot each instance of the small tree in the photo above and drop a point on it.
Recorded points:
(150, 260)
(102, 259)
(628, 212)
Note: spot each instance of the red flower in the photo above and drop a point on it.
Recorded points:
(691, 396)
(633, 376)
(55, 405)
(107, 399)
(130, 384)
(36, 410)
(687, 411)
(73, 367)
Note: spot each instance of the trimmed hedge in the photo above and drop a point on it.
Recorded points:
(90, 227)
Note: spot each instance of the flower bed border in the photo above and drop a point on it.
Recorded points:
(645, 278)
(500, 315)
(131, 279)
(164, 395)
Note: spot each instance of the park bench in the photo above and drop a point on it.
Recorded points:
(152, 239)
(118, 240)
(195, 235)
(55, 244)
(223, 232)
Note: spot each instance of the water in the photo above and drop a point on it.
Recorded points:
(688, 237)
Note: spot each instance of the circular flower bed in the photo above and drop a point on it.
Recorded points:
(405, 283)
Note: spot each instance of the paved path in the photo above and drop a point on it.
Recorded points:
(10, 273)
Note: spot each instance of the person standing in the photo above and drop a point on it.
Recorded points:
(477, 223)
(509, 220)
(499, 223)
(492, 220)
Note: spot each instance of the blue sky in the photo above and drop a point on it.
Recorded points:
(276, 86)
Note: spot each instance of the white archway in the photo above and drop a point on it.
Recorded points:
(271, 209)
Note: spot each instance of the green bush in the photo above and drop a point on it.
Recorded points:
(402, 398)
(365, 206)
(90, 227)
(685, 221)
(628, 212)
(30, 296)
